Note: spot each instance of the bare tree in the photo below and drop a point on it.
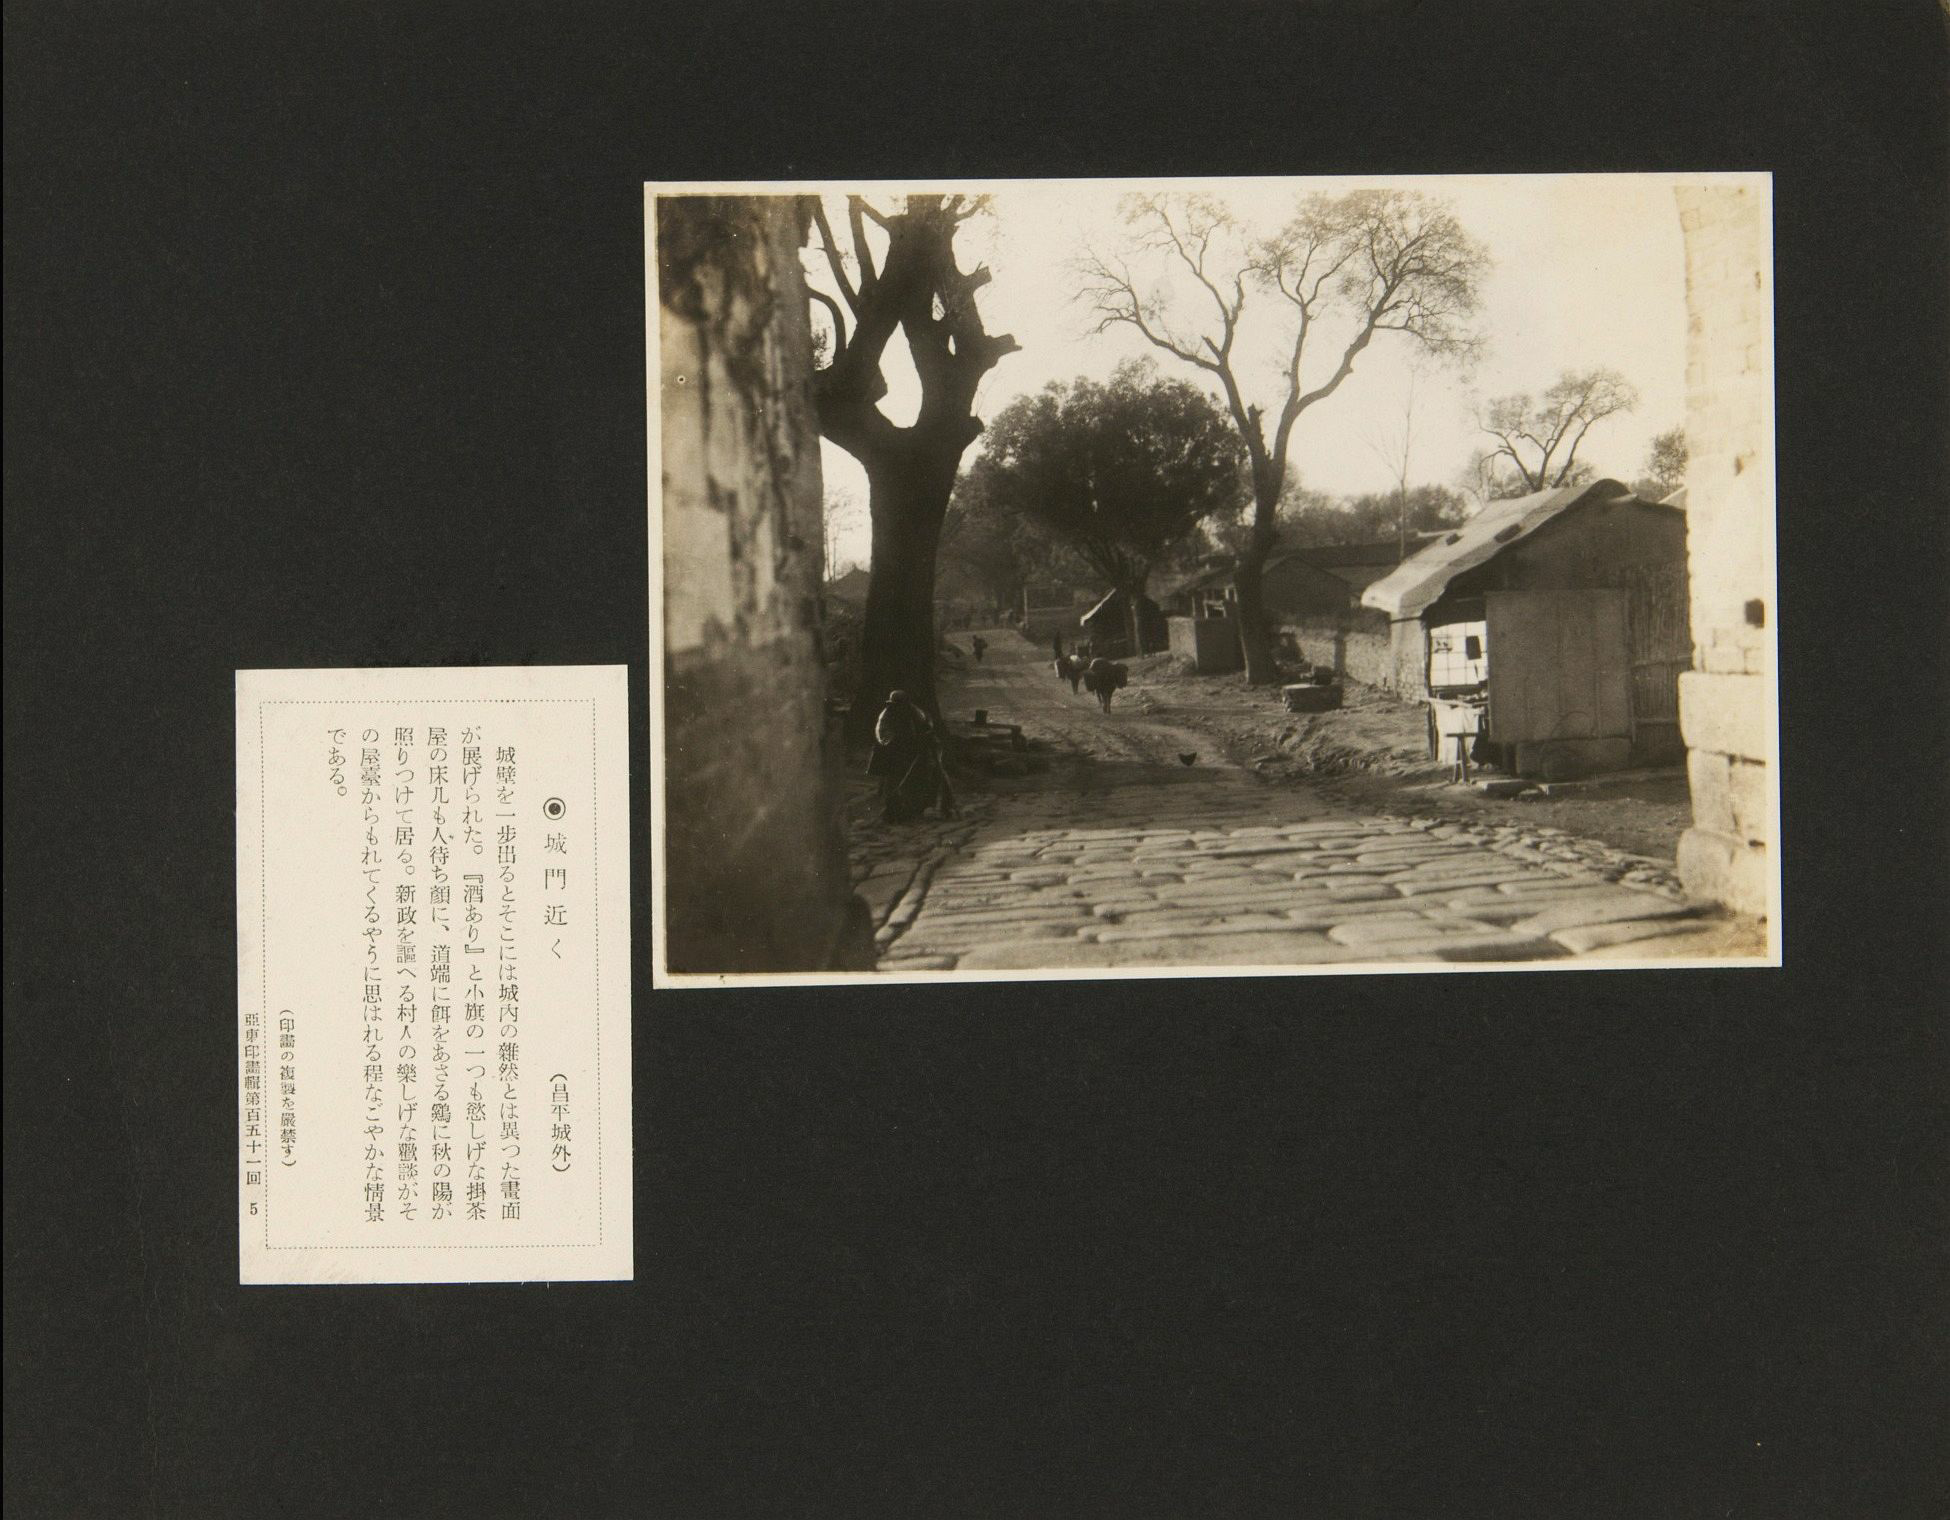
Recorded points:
(1536, 446)
(901, 276)
(1343, 270)
(1479, 479)
(1394, 446)
(840, 514)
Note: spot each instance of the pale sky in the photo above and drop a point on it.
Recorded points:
(1587, 270)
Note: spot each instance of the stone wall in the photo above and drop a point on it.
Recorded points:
(1209, 645)
(1408, 659)
(1726, 702)
(1354, 643)
(755, 867)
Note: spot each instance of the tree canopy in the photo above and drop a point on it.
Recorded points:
(1000, 550)
(1121, 471)
(1665, 466)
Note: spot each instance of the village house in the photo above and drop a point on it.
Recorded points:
(1564, 615)
(960, 601)
(848, 590)
(1050, 608)
(1312, 591)
(1109, 625)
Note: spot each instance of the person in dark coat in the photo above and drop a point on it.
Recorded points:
(907, 759)
(1069, 667)
(980, 644)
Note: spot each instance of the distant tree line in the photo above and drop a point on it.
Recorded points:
(1312, 518)
(1000, 535)
(1027, 512)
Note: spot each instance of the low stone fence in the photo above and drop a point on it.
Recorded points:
(1354, 644)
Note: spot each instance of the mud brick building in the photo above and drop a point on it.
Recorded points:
(1314, 592)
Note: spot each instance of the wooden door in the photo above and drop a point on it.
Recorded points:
(1662, 642)
(1560, 665)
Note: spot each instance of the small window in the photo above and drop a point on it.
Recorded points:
(1456, 655)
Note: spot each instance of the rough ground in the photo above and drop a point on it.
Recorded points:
(1373, 752)
(1121, 855)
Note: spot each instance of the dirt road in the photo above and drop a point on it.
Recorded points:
(1120, 854)
(1092, 749)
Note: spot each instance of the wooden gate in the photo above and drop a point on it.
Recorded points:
(1662, 648)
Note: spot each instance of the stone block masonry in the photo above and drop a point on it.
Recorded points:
(1726, 703)
(754, 846)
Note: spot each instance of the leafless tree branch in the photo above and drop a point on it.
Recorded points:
(833, 260)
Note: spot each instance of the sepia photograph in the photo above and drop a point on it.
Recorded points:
(1091, 577)
(1099, 824)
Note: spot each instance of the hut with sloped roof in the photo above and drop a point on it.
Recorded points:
(1564, 612)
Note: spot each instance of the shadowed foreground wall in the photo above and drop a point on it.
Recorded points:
(1726, 702)
(755, 853)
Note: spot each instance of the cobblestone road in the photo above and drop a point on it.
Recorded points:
(1120, 855)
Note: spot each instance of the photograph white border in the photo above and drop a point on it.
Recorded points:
(665, 978)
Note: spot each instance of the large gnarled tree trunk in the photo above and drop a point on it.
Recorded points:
(917, 289)
(908, 486)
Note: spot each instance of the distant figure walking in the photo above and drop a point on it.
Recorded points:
(1069, 667)
(907, 759)
(979, 644)
(1103, 679)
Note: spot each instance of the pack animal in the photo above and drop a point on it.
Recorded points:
(1103, 679)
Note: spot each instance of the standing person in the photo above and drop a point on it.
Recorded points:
(979, 644)
(907, 759)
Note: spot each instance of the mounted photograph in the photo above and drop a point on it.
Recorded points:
(1096, 578)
